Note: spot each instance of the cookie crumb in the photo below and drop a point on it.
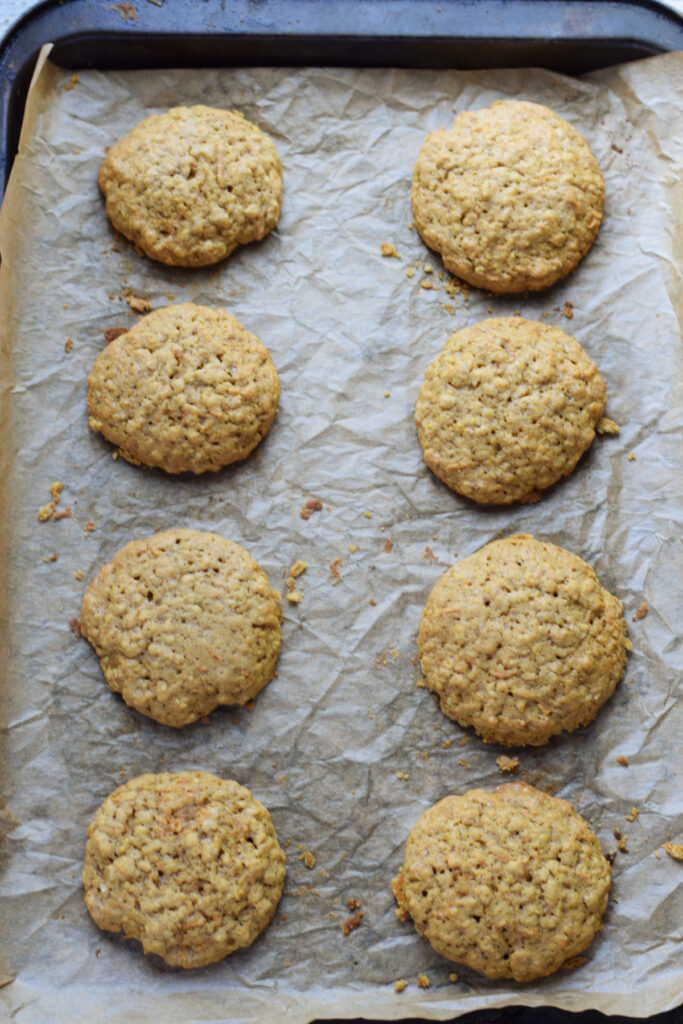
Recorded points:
(607, 426)
(453, 977)
(309, 507)
(402, 775)
(401, 985)
(410, 272)
(674, 850)
(387, 249)
(429, 555)
(335, 565)
(622, 759)
(71, 83)
(65, 513)
(373, 602)
(308, 858)
(110, 333)
(568, 310)
(423, 981)
(137, 304)
(351, 923)
(46, 511)
(621, 840)
(126, 10)
(632, 457)
(641, 612)
(50, 558)
(388, 545)
(68, 344)
(368, 515)
(75, 626)
(633, 815)
(427, 285)
(78, 575)
(353, 903)
(298, 568)
(507, 764)
(56, 489)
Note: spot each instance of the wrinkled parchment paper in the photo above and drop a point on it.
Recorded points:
(342, 747)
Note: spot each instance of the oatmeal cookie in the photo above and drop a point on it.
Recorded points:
(507, 409)
(183, 622)
(186, 389)
(510, 196)
(188, 864)
(188, 186)
(512, 883)
(520, 641)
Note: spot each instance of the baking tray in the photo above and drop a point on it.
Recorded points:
(562, 36)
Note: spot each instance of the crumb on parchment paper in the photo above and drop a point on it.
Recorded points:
(295, 596)
(400, 985)
(73, 81)
(68, 344)
(674, 850)
(568, 310)
(351, 923)
(423, 981)
(335, 566)
(309, 507)
(387, 249)
(136, 303)
(308, 858)
(641, 612)
(507, 764)
(622, 759)
(607, 426)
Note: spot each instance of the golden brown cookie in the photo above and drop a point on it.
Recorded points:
(507, 409)
(183, 622)
(522, 642)
(186, 389)
(187, 863)
(510, 196)
(188, 186)
(512, 883)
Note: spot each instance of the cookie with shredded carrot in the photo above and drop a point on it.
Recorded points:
(188, 864)
(510, 196)
(183, 622)
(190, 185)
(521, 641)
(512, 883)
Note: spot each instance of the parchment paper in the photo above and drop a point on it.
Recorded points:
(351, 335)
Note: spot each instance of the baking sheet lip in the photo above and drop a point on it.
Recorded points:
(72, 23)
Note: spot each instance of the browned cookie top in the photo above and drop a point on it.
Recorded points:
(510, 196)
(512, 883)
(188, 186)
(188, 864)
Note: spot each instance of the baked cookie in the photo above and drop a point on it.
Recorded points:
(507, 409)
(186, 389)
(510, 196)
(183, 622)
(520, 641)
(188, 864)
(187, 187)
(512, 883)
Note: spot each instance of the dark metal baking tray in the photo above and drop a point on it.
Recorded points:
(572, 37)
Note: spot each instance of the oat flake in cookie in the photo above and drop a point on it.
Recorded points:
(188, 864)
(183, 622)
(507, 409)
(512, 883)
(186, 389)
(520, 641)
(188, 186)
(510, 196)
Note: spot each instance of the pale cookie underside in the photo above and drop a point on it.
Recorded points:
(188, 186)
(511, 883)
(510, 196)
(186, 389)
(520, 641)
(183, 622)
(507, 409)
(188, 864)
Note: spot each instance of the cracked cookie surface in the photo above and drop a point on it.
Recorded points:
(183, 622)
(510, 196)
(520, 641)
(512, 883)
(187, 863)
(188, 186)
(508, 408)
(186, 389)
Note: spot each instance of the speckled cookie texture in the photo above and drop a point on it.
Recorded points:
(187, 863)
(508, 408)
(520, 641)
(510, 196)
(188, 186)
(187, 389)
(512, 883)
(183, 622)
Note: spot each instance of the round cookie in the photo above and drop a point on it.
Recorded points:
(507, 409)
(512, 883)
(188, 186)
(520, 641)
(510, 196)
(183, 622)
(186, 389)
(188, 864)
